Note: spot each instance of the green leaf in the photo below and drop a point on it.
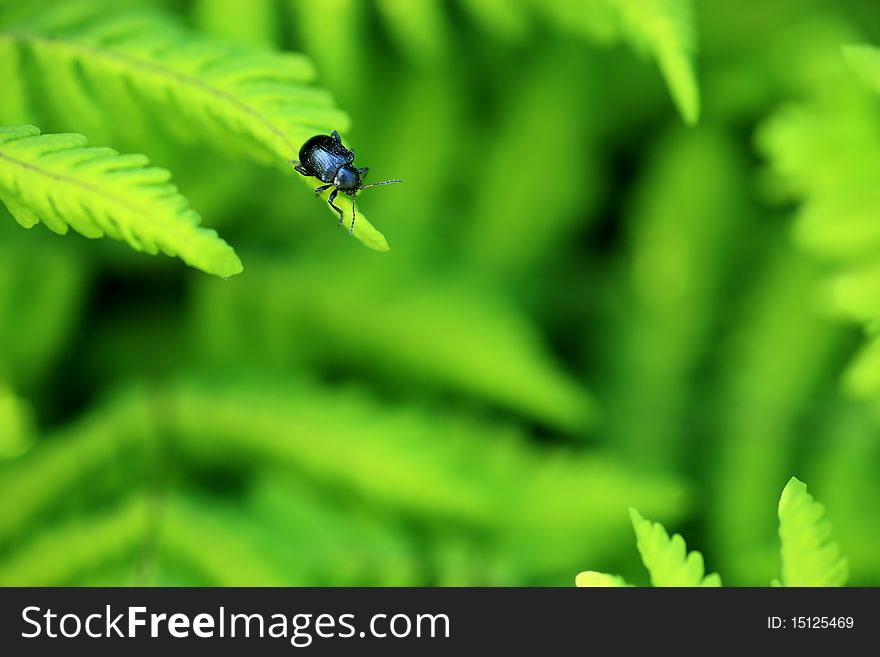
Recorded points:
(251, 100)
(666, 558)
(661, 29)
(809, 556)
(58, 180)
(824, 152)
(17, 423)
(665, 30)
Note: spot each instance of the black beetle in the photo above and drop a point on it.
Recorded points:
(325, 158)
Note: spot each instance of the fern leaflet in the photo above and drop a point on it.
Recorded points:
(58, 180)
(661, 29)
(809, 556)
(825, 152)
(593, 579)
(252, 100)
(865, 61)
(666, 558)
(665, 29)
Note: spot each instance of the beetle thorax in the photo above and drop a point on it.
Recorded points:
(347, 179)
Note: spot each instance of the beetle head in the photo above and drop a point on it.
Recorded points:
(347, 179)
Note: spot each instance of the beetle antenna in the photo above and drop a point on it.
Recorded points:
(384, 182)
(353, 216)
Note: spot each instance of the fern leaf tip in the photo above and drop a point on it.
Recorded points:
(809, 555)
(594, 579)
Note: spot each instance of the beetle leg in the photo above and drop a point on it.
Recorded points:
(353, 216)
(330, 201)
(363, 172)
(301, 170)
(320, 189)
(338, 139)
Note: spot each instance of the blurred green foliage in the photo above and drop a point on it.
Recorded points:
(606, 289)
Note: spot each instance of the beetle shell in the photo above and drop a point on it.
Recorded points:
(322, 156)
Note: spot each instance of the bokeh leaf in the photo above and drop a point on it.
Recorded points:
(661, 29)
(426, 327)
(667, 559)
(825, 153)
(665, 29)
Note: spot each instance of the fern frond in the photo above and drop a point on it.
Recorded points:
(809, 556)
(56, 179)
(225, 89)
(825, 153)
(61, 554)
(255, 101)
(661, 29)
(667, 559)
(593, 579)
